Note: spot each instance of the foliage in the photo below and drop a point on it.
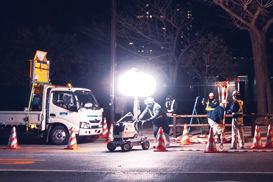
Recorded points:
(210, 59)
(61, 51)
(152, 32)
(256, 17)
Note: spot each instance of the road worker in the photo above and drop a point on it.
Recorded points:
(215, 120)
(157, 116)
(237, 109)
(170, 108)
(210, 104)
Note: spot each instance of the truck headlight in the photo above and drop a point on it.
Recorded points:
(84, 125)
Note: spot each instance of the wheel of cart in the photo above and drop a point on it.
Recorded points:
(111, 146)
(145, 145)
(126, 147)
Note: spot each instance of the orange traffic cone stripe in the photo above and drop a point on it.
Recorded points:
(13, 144)
(185, 137)
(160, 144)
(269, 138)
(110, 136)
(72, 142)
(105, 131)
(257, 140)
(211, 145)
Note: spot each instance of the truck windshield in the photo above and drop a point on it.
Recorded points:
(86, 99)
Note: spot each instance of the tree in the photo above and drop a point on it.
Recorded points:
(255, 17)
(158, 32)
(210, 59)
(61, 51)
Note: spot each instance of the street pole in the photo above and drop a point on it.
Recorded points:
(113, 60)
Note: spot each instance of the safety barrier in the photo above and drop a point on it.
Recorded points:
(253, 116)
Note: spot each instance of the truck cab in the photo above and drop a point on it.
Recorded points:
(72, 107)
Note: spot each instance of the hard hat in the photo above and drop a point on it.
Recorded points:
(236, 94)
(211, 94)
(169, 97)
(149, 100)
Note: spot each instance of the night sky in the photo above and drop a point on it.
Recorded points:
(68, 16)
(64, 15)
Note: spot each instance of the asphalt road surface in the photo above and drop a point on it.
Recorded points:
(93, 162)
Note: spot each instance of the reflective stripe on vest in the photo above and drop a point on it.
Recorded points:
(152, 113)
(170, 110)
(240, 111)
(208, 108)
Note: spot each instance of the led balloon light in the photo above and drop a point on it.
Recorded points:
(136, 83)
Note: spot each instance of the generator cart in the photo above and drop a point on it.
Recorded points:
(125, 134)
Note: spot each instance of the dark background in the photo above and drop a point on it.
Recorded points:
(69, 16)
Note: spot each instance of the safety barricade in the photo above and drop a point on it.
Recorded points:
(252, 117)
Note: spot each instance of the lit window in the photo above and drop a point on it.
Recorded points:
(177, 9)
(147, 5)
(131, 43)
(163, 28)
(147, 12)
(151, 16)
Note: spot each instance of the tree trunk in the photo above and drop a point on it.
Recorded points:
(264, 94)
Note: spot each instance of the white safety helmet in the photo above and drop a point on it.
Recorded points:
(211, 94)
(149, 100)
(236, 94)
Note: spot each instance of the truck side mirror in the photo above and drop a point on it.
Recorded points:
(74, 108)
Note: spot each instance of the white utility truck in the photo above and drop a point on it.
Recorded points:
(53, 110)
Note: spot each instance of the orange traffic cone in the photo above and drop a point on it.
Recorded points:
(105, 131)
(257, 140)
(211, 145)
(269, 138)
(13, 140)
(185, 137)
(110, 136)
(160, 144)
(72, 142)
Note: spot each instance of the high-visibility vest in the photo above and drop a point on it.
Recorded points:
(152, 113)
(208, 108)
(240, 111)
(170, 110)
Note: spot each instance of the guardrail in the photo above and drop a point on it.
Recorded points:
(252, 115)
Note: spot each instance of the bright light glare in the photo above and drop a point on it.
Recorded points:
(136, 83)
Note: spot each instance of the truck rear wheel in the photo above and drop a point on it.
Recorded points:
(59, 135)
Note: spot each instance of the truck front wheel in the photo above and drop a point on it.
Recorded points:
(59, 135)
